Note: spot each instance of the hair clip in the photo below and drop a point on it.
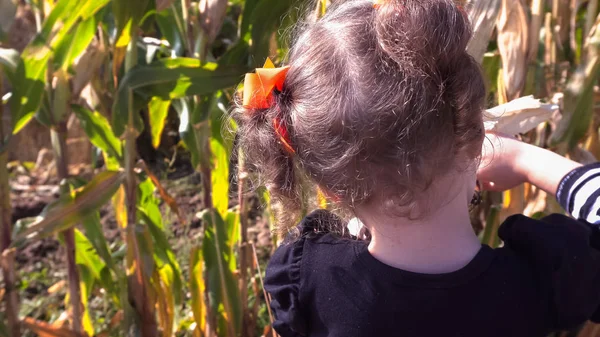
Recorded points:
(283, 135)
(259, 86)
(378, 3)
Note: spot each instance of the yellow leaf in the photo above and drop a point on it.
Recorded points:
(120, 207)
(197, 289)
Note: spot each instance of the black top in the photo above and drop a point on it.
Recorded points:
(546, 277)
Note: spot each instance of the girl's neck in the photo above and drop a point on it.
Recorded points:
(442, 242)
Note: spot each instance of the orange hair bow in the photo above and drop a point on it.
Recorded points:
(258, 94)
(259, 86)
(378, 3)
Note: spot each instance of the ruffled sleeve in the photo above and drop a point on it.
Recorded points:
(282, 282)
(564, 256)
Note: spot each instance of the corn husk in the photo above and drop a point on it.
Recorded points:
(518, 116)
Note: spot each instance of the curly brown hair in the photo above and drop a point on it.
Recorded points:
(378, 102)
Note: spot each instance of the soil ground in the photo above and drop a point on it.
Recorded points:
(41, 264)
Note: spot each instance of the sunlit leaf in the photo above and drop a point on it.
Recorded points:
(128, 14)
(169, 79)
(221, 281)
(118, 202)
(197, 288)
(219, 176)
(98, 130)
(86, 285)
(68, 49)
(28, 89)
(158, 110)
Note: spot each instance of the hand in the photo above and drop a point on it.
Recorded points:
(507, 162)
(499, 169)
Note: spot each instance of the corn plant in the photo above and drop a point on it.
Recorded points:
(142, 59)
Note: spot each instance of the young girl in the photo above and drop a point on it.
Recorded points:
(381, 107)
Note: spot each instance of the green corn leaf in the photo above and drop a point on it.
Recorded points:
(99, 132)
(169, 79)
(158, 110)
(172, 26)
(149, 213)
(93, 231)
(220, 153)
(128, 14)
(31, 76)
(232, 225)
(491, 64)
(68, 49)
(183, 106)
(87, 255)
(222, 284)
(67, 13)
(246, 25)
(28, 90)
(86, 284)
(61, 9)
(70, 210)
(266, 19)
(219, 176)
(238, 54)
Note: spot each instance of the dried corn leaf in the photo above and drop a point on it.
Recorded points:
(513, 34)
(482, 14)
(578, 96)
(518, 116)
(535, 200)
(212, 15)
(87, 66)
(44, 329)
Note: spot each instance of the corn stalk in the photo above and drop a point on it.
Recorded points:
(61, 100)
(7, 255)
(139, 292)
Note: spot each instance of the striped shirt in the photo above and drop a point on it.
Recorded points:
(579, 193)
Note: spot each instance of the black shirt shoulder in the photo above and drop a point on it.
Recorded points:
(546, 277)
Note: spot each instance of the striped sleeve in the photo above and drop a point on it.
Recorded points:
(579, 193)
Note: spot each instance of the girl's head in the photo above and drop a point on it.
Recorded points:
(379, 101)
